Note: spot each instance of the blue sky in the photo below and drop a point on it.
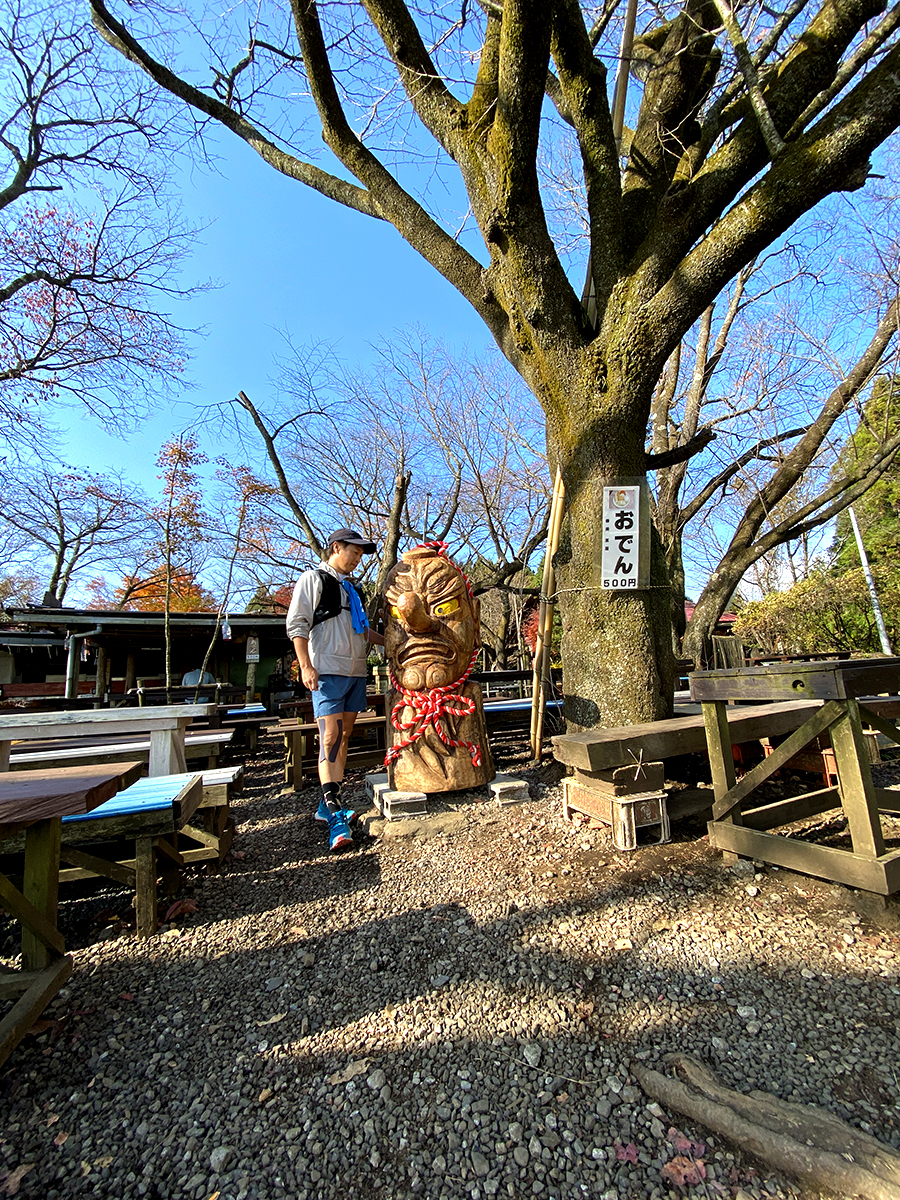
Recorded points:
(285, 259)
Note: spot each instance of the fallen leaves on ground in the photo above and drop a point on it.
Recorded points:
(684, 1171)
(10, 1180)
(684, 1145)
(272, 1020)
(178, 908)
(351, 1070)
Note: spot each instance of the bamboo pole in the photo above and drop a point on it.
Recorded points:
(545, 620)
(870, 583)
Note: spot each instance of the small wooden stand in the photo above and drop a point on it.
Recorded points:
(737, 829)
(625, 814)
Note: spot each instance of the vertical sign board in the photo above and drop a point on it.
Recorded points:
(626, 541)
(252, 655)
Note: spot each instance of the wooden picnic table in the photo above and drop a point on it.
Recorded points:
(35, 804)
(221, 692)
(166, 727)
(198, 744)
(755, 660)
(301, 746)
(245, 720)
(303, 709)
(838, 686)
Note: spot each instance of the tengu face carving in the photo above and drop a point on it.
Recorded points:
(431, 621)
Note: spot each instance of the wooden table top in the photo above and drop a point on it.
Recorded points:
(30, 725)
(831, 679)
(29, 796)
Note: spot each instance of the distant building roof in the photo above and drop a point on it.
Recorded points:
(727, 618)
(115, 623)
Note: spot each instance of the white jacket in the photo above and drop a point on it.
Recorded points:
(334, 649)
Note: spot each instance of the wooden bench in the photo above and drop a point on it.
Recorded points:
(516, 714)
(159, 810)
(151, 813)
(213, 826)
(743, 823)
(165, 726)
(151, 696)
(603, 749)
(205, 744)
(246, 722)
(301, 747)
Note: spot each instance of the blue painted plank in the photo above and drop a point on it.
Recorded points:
(516, 705)
(146, 795)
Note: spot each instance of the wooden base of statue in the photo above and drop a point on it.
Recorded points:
(430, 766)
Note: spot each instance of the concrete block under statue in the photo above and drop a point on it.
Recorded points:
(437, 737)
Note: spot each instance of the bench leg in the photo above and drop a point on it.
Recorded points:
(721, 760)
(855, 781)
(40, 887)
(166, 752)
(145, 886)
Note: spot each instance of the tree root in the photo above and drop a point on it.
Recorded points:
(817, 1149)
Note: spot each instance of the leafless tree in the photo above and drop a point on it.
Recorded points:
(423, 446)
(69, 523)
(778, 381)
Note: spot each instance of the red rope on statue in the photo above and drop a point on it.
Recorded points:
(430, 706)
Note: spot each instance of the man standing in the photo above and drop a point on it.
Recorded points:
(327, 624)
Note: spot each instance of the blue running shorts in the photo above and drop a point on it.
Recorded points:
(338, 694)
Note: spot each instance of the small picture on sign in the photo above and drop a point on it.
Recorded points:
(621, 550)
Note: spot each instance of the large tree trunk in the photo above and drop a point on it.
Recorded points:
(618, 666)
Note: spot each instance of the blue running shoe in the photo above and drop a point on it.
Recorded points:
(324, 814)
(338, 832)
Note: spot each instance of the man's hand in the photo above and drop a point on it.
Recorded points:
(310, 677)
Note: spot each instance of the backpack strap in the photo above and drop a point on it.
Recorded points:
(329, 602)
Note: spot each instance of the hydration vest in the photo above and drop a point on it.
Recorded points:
(330, 602)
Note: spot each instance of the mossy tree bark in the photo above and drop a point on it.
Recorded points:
(700, 196)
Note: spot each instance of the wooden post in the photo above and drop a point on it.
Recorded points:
(855, 779)
(545, 619)
(102, 671)
(40, 886)
(721, 760)
(166, 752)
(251, 682)
(130, 679)
(145, 886)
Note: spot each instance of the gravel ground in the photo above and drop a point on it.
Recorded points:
(451, 1009)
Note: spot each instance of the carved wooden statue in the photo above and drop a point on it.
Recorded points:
(432, 635)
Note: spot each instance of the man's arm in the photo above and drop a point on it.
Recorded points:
(373, 638)
(308, 672)
(307, 593)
